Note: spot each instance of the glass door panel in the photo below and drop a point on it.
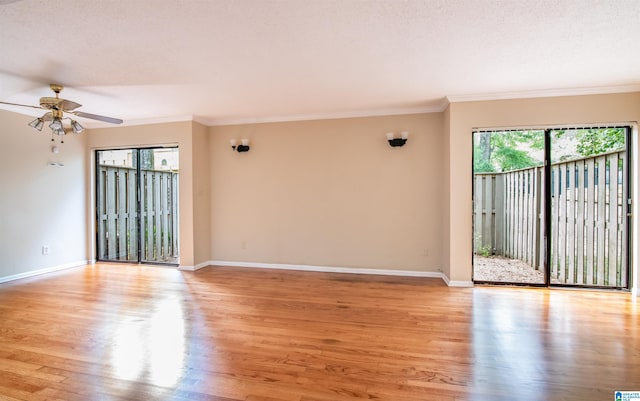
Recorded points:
(117, 205)
(159, 205)
(508, 207)
(589, 207)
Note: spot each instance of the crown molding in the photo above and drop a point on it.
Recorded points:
(440, 107)
(158, 120)
(598, 90)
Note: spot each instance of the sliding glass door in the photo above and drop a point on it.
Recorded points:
(137, 205)
(508, 194)
(589, 207)
(551, 207)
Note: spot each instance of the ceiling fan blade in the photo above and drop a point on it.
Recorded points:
(47, 117)
(68, 105)
(22, 105)
(97, 117)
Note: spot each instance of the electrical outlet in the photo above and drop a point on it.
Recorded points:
(45, 249)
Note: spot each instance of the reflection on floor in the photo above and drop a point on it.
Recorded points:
(129, 332)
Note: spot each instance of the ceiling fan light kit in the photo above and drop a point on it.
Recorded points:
(76, 127)
(56, 125)
(38, 123)
(59, 107)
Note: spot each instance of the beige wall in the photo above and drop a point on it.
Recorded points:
(181, 134)
(463, 117)
(201, 195)
(446, 191)
(329, 193)
(40, 205)
(323, 193)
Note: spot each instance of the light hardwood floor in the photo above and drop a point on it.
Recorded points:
(128, 332)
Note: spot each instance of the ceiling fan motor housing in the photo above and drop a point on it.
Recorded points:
(50, 103)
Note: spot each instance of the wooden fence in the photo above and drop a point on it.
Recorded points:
(122, 228)
(588, 218)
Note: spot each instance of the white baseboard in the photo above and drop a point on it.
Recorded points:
(455, 283)
(328, 269)
(196, 267)
(321, 269)
(43, 271)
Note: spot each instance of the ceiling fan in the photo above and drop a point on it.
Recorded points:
(59, 107)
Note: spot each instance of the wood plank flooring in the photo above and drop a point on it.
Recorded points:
(128, 332)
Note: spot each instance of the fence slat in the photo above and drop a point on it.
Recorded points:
(174, 213)
(519, 212)
(600, 221)
(514, 215)
(590, 220)
(143, 214)
(150, 218)
(157, 217)
(487, 210)
(555, 181)
(562, 226)
(121, 223)
(531, 217)
(497, 213)
(111, 214)
(580, 237)
(132, 206)
(525, 215)
(570, 216)
(508, 238)
(539, 216)
(612, 225)
(477, 214)
(164, 190)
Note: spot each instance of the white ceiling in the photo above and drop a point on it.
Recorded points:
(227, 61)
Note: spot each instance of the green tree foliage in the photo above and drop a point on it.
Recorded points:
(513, 159)
(481, 164)
(511, 150)
(504, 151)
(596, 141)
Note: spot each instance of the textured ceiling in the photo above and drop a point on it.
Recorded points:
(265, 60)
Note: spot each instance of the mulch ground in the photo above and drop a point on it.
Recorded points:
(504, 270)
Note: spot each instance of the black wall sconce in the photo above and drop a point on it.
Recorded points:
(397, 141)
(243, 147)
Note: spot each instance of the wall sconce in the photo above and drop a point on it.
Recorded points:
(243, 147)
(397, 141)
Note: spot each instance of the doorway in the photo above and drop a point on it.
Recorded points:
(137, 205)
(551, 207)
